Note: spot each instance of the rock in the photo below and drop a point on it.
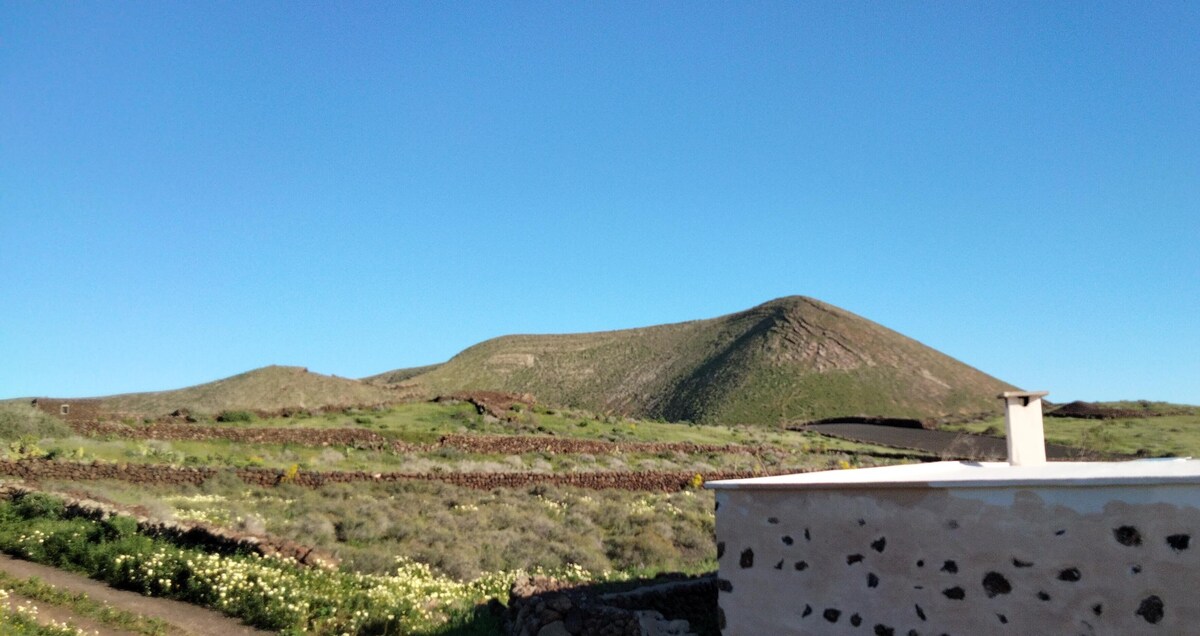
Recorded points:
(652, 623)
(554, 629)
(559, 603)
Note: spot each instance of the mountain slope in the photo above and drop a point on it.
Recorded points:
(267, 389)
(791, 358)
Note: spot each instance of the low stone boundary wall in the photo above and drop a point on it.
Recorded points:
(518, 444)
(649, 481)
(260, 435)
(690, 599)
(540, 605)
(363, 438)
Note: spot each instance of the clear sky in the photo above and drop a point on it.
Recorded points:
(189, 190)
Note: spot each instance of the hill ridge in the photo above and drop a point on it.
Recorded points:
(268, 388)
(790, 358)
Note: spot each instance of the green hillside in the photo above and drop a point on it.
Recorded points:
(267, 389)
(788, 359)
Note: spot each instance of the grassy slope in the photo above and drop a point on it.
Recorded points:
(266, 389)
(791, 358)
(398, 376)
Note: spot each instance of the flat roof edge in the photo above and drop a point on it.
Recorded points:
(734, 484)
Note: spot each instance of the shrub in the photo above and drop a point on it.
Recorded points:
(37, 505)
(19, 421)
(235, 416)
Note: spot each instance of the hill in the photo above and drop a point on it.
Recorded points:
(399, 376)
(270, 388)
(793, 358)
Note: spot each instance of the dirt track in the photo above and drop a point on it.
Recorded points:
(185, 619)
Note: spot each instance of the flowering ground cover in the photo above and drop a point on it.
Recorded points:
(22, 620)
(273, 594)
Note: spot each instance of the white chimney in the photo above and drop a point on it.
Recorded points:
(1023, 420)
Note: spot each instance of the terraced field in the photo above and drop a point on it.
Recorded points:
(470, 494)
(469, 489)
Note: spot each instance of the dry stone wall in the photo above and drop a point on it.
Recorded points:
(70, 409)
(357, 437)
(543, 606)
(650, 481)
(363, 438)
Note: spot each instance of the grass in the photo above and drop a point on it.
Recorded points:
(267, 389)
(426, 422)
(81, 605)
(20, 421)
(1160, 436)
(459, 532)
(1149, 408)
(807, 455)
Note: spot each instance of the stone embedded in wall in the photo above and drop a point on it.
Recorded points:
(1179, 542)
(1151, 609)
(1127, 536)
(994, 584)
(1070, 575)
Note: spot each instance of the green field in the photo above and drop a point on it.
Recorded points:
(1159, 436)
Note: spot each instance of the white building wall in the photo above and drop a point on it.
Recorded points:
(919, 560)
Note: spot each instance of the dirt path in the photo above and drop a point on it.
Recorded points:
(47, 612)
(187, 620)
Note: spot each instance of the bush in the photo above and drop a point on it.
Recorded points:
(22, 421)
(37, 506)
(235, 416)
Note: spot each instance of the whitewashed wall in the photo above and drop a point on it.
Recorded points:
(908, 561)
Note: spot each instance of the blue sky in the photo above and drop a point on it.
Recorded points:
(189, 190)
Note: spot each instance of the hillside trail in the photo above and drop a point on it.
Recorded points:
(47, 612)
(184, 619)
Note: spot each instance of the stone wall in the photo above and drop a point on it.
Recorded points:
(898, 561)
(542, 606)
(77, 410)
(364, 438)
(357, 437)
(649, 481)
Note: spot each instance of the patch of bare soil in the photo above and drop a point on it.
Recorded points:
(185, 619)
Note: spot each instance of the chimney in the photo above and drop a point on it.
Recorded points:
(1023, 421)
